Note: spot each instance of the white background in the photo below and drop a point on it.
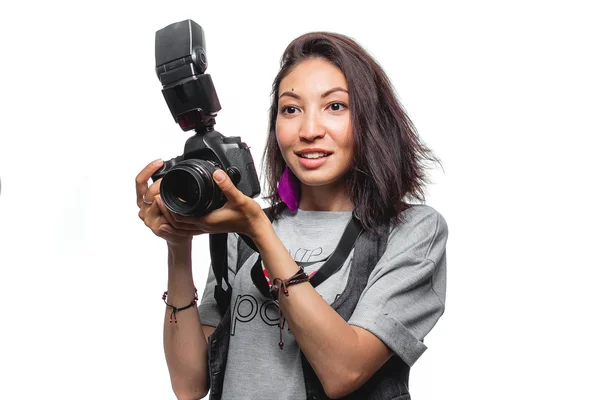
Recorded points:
(506, 93)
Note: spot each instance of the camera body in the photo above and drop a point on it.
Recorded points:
(187, 186)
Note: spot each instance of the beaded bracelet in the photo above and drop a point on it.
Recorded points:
(175, 309)
(298, 277)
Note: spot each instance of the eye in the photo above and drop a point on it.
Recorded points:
(288, 110)
(337, 106)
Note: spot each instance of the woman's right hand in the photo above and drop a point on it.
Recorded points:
(155, 215)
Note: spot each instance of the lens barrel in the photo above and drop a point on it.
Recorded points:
(189, 189)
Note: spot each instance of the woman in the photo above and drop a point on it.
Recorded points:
(339, 145)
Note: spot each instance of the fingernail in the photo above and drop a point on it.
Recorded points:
(157, 162)
(219, 176)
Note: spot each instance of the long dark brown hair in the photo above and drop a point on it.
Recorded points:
(389, 162)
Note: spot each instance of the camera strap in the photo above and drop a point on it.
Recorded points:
(218, 254)
(333, 263)
(340, 254)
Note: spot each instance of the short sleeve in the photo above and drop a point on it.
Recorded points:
(405, 293)
(208, 308)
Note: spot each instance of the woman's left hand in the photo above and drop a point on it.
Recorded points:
(240, 213)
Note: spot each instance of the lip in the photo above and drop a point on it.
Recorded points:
(312, 163)
(313, 150)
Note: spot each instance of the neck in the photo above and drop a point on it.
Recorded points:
(324, 198)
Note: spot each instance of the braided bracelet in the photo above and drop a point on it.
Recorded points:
(298, 277)
(175, 309)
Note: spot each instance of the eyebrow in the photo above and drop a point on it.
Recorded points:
(330, 91)
(327, 93)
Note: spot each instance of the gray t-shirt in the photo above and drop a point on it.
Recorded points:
(402, 301)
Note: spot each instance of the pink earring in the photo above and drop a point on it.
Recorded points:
(288, 189)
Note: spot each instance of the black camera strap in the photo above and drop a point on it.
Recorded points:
(218, 253)
(340, 254)
(333, 263)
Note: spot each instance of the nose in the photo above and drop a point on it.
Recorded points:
(312, 127)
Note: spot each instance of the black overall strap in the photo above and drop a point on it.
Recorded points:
(218, 255)
(368, 250)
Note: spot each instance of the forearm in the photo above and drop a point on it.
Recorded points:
(184, 343)
(326, 339)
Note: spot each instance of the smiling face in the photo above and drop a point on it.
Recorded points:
(313, 125)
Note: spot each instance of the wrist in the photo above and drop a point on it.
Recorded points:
(260, 228)
(173, 317)
(180, 254)
(181, 242)
(179, 247)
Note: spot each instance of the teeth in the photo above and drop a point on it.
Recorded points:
(313, 155)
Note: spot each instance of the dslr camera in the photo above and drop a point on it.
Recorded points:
(187, 186)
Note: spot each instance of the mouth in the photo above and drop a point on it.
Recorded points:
(313, 155)
(311, 159)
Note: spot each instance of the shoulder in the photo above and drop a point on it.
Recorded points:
(422, 230)
(422, 217)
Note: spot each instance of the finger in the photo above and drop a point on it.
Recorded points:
(231, 192)
(149, 197)
(171, 238)
(153, 190)
(171, 218)
(178, 232)
(149, 212)
(141, 180)
(153, 217)
(159, 225)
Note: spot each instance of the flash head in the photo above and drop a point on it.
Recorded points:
(180, 53)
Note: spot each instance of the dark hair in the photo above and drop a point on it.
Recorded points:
(389, 158)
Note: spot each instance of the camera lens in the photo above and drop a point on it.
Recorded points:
(186, 189)
(189, 189)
